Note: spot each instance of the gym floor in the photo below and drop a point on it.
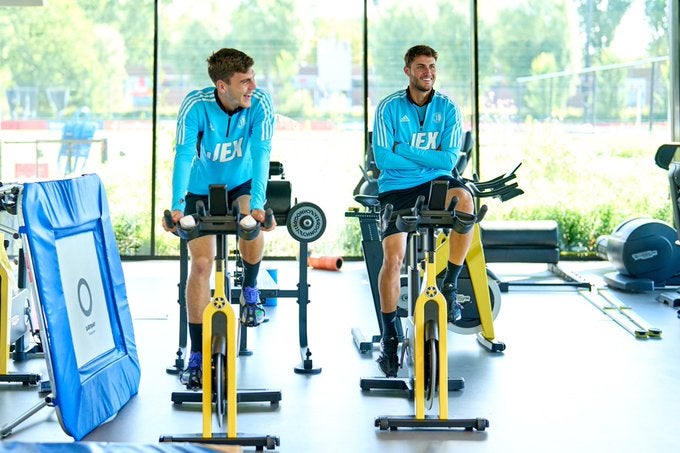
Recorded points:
(571, 379)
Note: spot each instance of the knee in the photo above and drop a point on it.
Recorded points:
(247, 244)
(201, 267)
(465, 201)
(252, 248)
(392, 263)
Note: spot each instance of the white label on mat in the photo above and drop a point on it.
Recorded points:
(81, 279)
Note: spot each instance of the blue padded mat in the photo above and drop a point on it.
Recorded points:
(101, 447)
(75, 270)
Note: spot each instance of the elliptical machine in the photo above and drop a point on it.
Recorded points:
(644, 251)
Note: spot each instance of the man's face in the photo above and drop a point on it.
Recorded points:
(422, 73)
(238, 92)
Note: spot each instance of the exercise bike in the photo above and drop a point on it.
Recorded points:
(221, 329)
(426, 344)
(17, 331)
(306, 223)
(477, 285)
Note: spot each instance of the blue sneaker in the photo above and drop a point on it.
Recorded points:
(252, 313)
(454, 308)
(193, 374)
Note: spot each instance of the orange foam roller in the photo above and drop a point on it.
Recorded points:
(330, 263)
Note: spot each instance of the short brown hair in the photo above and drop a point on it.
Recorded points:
(225, 62)
(417, 51)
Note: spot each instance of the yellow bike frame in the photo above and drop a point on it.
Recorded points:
(219, 317)
(6, 276)
(430, 294)
(476, 265)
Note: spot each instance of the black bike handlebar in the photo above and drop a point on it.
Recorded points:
(167, 219)
(416, 217)
(191, 225)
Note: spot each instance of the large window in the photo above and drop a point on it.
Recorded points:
(577, 91)
(396, 25)
(75, 98)
(309, 56)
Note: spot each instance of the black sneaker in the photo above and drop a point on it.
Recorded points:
(192, 376)
(388, 360)
(454, 308)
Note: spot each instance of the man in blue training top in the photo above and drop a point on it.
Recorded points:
(417, 136)
(224, 135)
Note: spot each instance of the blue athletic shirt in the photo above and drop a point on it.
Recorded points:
(424, 149)
(232, 149)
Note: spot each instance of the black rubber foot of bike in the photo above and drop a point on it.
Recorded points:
(258, 441)
(394, 422)
(307, 368)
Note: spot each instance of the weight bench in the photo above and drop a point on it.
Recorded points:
(516, 241)
(528, 241)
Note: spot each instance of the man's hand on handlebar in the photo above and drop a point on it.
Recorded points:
(265, 224)
(176, 215)
(258, 220)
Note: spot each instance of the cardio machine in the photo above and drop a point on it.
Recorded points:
(221, 329)
(17, 331)
(426, 346)
(478, 289)
(645, 251)
(477, 285)
(305, 222)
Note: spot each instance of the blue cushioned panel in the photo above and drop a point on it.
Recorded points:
(99, 447)
(79, 283)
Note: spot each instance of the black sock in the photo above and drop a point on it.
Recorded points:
(452, 273)
(196, 336)
(389, 322)
(250, 272)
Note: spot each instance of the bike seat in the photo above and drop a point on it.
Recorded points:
(369, 201)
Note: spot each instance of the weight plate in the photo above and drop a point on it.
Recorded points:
(306, 222)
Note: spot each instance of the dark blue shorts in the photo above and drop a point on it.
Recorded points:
(406, 198)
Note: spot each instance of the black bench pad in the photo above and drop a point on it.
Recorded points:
(516, 241)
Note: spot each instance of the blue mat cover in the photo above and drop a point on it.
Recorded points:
(78, 280)
(100, 447)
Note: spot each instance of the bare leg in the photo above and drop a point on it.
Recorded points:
(202, 252)
(459, 244)
(252, 250)
(458, 248)
(389, 286)
(394, 248)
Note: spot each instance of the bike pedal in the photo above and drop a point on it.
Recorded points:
(404, 345)
(249, 323)
(250, 315)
